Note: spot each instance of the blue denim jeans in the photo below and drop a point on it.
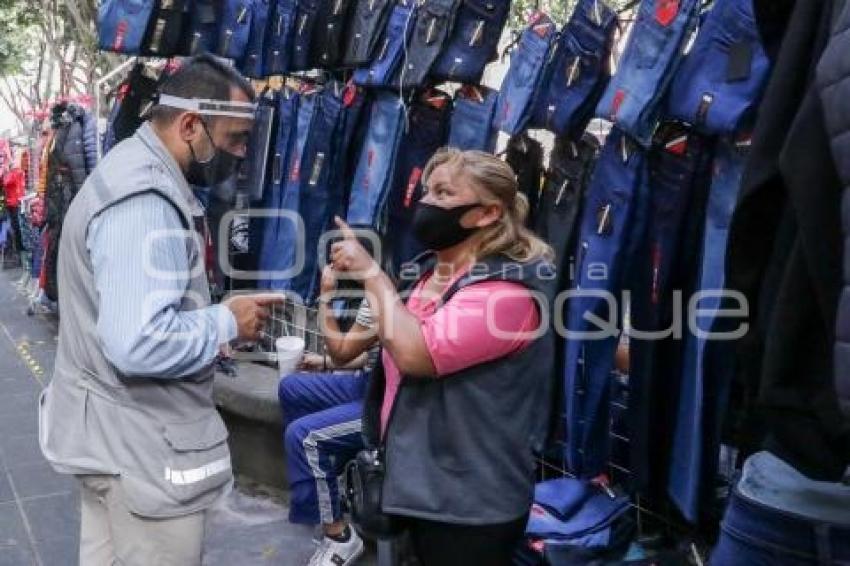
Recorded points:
(369, 19)
(705, 382)
(425, 134)
(121, 24)
(389, 54)
(321, 413)
(376, 164)
(753, 534)
(676, 165)
(302, 34)
(721, 80)
(604, 233)
(278, 43)
(203, 27)
(516, 96)
(235, 28)
(575, 77)
(252, 65)
(473, 42)
(472, 121)
(319, 197)
(289, 240)
(285, 126)
(329, 34)
(351, 132)
(633, 99)
(434, 21)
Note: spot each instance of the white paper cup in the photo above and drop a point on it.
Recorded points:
(290, 351)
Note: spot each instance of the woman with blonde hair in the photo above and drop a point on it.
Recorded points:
(459, 401)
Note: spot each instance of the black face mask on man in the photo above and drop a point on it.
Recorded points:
(215, 170)
(439, 228)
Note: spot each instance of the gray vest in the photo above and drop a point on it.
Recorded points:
(163, 438)
(461, 448)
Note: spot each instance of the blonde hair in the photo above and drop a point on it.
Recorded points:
(495, 181)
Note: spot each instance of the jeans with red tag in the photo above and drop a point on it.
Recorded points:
(121, 24)
(516, 96)
(634, 97)
(427, 133)
(577, 73)
(722, 79)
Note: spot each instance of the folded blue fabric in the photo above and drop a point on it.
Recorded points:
(574, 509)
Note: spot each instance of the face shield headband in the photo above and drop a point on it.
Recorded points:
(208, 107)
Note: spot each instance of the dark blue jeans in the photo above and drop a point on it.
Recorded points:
(329, 34)
(203, 27)
(389, 54)
(721, 80)
(375, 167)
(278, 44)
(576, 74)
(633, 99)
(425, 135)
(660, 266)
(705, 377)
(319, 197)
(434, 21)
(369, 18)
(520, 84)
(252, 64)
(351, 133)
(473, 42)
(285, 126)
(121, 24)
(235, 28)
(755, 535)
(604, 233)
(302, 34)
(472, 120)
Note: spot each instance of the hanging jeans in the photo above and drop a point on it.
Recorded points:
(473, 41)
(252, 65)
(472, 120)
(434, 21)
(634, 96)
(721, 81)
(525, 156)
(350, 133)
(603, 236)
(322, 433)
(288, 248)
(753, 534)
(319, 197)
(559, 207)
(121, 24)
(278, 42)
(576, 75)
(659, 268)
(235, 28)
(425, 135)
(167, 32)
(329, 34)
(521, 83)
(203, 27)
(302, 35)
(284, 130)
(365, 31)
(376, 165)
(705, 382)
(389, 56)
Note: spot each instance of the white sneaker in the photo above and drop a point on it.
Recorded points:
(333, 553)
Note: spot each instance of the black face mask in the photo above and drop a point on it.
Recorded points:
(214, 171)
(439, 228)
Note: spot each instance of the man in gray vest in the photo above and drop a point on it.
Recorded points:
(129, 410)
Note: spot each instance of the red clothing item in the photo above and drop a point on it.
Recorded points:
(480, 323)
(14, 187)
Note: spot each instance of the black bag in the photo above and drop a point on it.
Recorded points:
(364, 482)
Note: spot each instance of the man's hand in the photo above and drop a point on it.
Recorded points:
(251, 313)
(350, 257)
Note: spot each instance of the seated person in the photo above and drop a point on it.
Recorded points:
(322, 413)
